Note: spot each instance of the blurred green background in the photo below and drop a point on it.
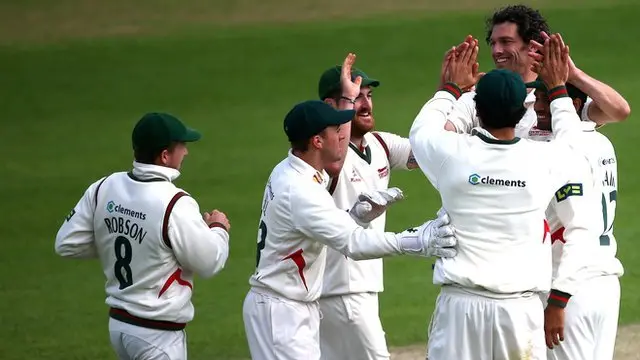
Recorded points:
(77, 74)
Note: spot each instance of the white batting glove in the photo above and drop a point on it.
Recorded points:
(370, 205)
(433, 238)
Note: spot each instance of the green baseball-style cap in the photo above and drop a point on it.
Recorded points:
(330, 80)
(310, 117)
(503, 90)
(156, 131)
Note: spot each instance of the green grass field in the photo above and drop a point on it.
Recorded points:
(77, 74)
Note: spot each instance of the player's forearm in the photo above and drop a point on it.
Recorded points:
(205, 254)
(608, 105)
(78, 245)
(364, 244)
(432, 117)
(565, 122)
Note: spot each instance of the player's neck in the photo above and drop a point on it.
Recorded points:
(312, 158)
(357, 141)
(529, 76)
(506, 134)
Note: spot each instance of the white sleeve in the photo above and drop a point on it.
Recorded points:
(315, 214)
(564, 119)
(75, 238)
(431, 144)
(197, 247)
(463, 114)
(584, 115)
(576, 209)
(399, 149)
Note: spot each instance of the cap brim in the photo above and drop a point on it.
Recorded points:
(190, 135)
(341, 117)
(370, 82)
(536, 85)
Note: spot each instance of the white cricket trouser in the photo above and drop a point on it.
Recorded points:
(350, 328)
(133, 342)
(590, 322)
(467, 326)
(279, 328)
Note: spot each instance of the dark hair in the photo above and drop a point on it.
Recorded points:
(529, 22)
(498, 118)
(146, 156)
(300, 145)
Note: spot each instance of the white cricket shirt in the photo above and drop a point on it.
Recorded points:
(363, 170)
(298, 219)
(150, 238)
(601, 155)
(496, 193)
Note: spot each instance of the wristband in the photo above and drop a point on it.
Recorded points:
(558, 298)
(218, 224)
(557, 92)
(453, 89)
(352, 101)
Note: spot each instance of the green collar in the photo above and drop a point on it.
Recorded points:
(489, 140)
(366, 156)
(135, 178)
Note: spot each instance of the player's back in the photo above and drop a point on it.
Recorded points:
(496, 193)
(289, 263)
(600, 153)
(131, 236)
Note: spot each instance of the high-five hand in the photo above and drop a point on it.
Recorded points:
(350, 88)
(462, 67)
(554, 67)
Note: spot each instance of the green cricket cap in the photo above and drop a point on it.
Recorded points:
(330, 80)
(156, 131)
(502, 90)
(310, 117)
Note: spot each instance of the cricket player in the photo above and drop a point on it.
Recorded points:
(591, 317)
(299, 219)
(150, 239)
(350, 327)
(513, 32)
(496, 187)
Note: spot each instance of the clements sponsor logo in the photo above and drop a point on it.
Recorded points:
(113, 207)
(475, 179)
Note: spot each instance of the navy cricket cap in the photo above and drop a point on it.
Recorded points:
(310, 117)
(156, 131)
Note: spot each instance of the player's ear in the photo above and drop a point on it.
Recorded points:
(331, 102)
(577, 103)
(316, 141)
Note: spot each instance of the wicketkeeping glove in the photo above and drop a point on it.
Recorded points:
(372, 204)
(433, 238)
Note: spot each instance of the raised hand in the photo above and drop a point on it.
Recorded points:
(538, 51)
(462, 68)
(350, 88)
(554, 67)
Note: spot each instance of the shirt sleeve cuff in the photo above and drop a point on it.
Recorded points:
(452, 89)
(218, 225)
(558, 298)
(557, 92)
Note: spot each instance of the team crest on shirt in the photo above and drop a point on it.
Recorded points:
(383, 172)
(354, 176)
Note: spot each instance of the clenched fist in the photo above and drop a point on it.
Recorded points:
(216, 218)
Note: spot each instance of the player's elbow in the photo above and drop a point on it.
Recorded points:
(622, 111)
